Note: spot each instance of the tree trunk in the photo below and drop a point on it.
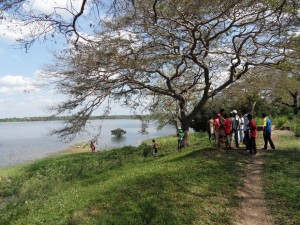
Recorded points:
(253, 107)
(295, 105)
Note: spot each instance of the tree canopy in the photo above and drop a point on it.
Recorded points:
(187, 51)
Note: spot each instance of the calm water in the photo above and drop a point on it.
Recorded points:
(25, 141)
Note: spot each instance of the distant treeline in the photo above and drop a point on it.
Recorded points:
(30, 119)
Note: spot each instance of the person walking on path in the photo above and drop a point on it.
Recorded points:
(253, 134)
(267, 130)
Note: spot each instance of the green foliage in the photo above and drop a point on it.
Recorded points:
(146, 149)
(121, 186)
(282, 181)
(297, 130)
(280, 121)
(118, 132)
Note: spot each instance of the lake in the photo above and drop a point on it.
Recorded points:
(26, 141)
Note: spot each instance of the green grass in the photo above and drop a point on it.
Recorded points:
(282, 179)
(121, 186)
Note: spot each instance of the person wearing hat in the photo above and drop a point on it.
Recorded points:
(235, 124)
(267, 131)
(253, 134)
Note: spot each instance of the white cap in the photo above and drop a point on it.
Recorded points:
(234, 111)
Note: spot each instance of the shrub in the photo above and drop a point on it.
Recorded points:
(146, 149)
(279, 122)
(297, 131)
(118, 132)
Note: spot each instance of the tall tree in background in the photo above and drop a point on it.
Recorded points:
(287, 90)
(187, 51)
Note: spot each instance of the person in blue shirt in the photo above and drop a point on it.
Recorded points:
(267, 131)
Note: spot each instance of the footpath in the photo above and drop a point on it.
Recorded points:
(253, 205)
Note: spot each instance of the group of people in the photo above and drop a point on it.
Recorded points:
(238, 128)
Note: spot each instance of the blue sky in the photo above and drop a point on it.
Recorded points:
(19, 71)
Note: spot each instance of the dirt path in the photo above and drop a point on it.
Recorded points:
(253, 206)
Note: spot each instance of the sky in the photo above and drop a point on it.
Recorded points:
(19, 72)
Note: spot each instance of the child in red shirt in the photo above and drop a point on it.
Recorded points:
(253, 134)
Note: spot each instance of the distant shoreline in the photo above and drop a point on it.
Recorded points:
(64, 118)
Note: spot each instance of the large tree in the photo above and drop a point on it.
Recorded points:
(187, 51)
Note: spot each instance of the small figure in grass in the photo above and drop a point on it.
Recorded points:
(180, 138)
(92, 146)
(154, 148)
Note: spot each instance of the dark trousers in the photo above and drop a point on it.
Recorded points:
(267, 138)
(236, 137)
(252, 144)
(246, 140)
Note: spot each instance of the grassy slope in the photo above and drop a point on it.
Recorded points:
(121, 186)
(282, 179)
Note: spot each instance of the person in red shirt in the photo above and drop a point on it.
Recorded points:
(92, 146)
(253, 134)
(217, 127)
(227, 131)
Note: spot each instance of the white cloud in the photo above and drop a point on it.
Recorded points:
(17, 84)
(15, 80)
(62, 7)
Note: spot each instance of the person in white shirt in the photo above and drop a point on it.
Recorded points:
(241, 129)
(246, 129)
(235, 128)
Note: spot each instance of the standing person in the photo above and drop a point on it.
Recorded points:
(210, 128)
(241, 129)
(222, 128)
(180, 138)
(217, 127)
(154, 148)
(253, 134)
(92, 146)
(235, 128)
(227, 131)
(267, 131)
(246, 129)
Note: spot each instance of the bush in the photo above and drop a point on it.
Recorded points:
(279, 122)
(118, 132)
(297, 131)
(145, 149)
